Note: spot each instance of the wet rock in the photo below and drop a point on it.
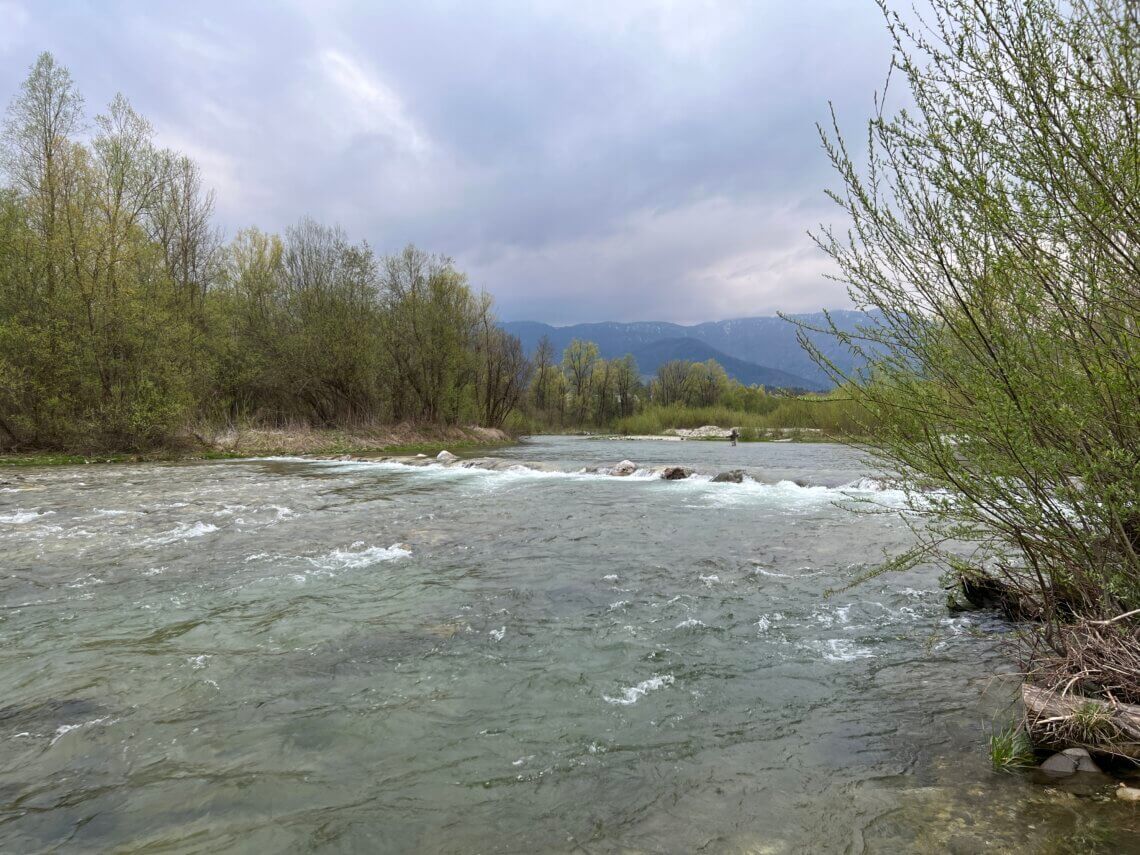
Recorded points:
(446, 456)
(626, 467)
(1069, 762)
(1129, 794)
(675, 473)
(421, 454)
(1083, 759)
(735, 476)
(1060, 765)
(983, 592)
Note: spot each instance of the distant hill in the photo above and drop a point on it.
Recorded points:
(767, 343)
(650, 357)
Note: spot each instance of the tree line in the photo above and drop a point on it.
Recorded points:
(581, 389)
(126, 318)
(124, 315)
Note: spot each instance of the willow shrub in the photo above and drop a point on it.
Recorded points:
(993, 236)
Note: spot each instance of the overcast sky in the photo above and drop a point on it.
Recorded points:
(581, 160)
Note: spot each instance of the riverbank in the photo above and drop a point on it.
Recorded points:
(715, 433)
(259, 442)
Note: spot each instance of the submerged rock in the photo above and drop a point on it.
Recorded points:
(734, 476)
(1070, 761)
(446, 456)
(626, 467)
(1129, 794)
(675, 473)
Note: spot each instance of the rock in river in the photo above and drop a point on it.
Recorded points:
(735, 476)
(445, 456)
(1069, 761)
(626, 467)
(675, 473)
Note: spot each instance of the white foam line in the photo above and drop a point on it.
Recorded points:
(356, 557)
(716, 493)
(20, 516)
(182, 531)
(65, 729)
(632, 694)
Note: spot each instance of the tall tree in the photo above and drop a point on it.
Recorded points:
(41, 121)
(503, 370)
(627, 382)
(543, 363)
(578, 365)
(430, 322)
(669, 383)
(705, 383)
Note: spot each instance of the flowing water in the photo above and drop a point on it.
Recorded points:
(285, 655)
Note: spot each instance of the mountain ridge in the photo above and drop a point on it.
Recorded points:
(766, 342)
(652, 356)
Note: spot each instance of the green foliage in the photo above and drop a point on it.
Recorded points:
(1092, 723)
(123, 318)
(584, 391)
(993, 230)
(1010, 749)
(832, 417)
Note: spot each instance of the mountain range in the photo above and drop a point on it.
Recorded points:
(760, 350)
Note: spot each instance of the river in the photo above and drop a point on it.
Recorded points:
(286, 655)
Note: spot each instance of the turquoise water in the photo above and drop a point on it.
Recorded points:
(297, 656)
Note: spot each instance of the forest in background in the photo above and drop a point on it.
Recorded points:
(580, 390)
(128, 323)
(125, 318)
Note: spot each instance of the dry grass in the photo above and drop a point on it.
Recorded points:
(302, 439)
(1095, 658)
(1085, 689)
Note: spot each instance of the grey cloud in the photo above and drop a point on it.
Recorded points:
(583, 161)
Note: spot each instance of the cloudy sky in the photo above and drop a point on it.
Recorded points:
(581, 160)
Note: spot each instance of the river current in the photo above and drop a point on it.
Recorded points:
(287, 655)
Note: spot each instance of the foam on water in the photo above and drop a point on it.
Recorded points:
(358, 555)
(19, 516)
(333, 643)
(803, 572)
(841, 650)
(632, 694)
(182, 531)
(65, 729)
(786, 493)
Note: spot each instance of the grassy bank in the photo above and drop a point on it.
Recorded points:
(807, 417)
(230, 443)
